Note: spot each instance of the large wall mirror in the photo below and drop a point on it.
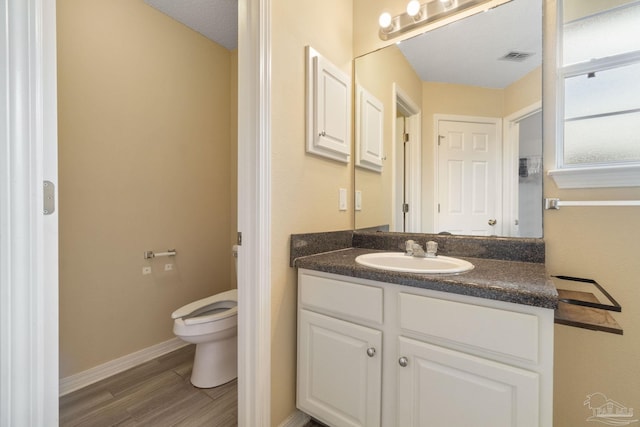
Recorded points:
(458, 111)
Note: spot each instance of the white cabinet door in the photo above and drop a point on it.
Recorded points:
(439, 387)
(339, 371)
(369, 130)
(328, 108)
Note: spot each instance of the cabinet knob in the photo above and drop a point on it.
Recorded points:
(371, 352)
(403, 361)
(492, 222)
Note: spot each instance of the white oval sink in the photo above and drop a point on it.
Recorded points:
(398, 261)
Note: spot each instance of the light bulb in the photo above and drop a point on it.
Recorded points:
(413, 8)
(385, 21)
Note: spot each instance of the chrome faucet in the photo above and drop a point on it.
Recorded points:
(432, 249)
(414, 249)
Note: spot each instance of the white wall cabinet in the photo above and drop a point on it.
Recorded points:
(328, 109)
(378, 354)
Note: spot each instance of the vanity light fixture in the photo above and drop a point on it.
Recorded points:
(386, 22)
(418, 14)
(414, 10)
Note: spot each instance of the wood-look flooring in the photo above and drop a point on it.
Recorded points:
(157, 393)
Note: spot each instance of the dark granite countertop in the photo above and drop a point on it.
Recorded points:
(511, 281)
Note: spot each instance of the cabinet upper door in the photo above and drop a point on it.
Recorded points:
(339, 371)
(369, 130)
(328, 109)
(439, 387)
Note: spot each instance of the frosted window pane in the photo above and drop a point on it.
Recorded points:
(607, 139)
(609, 91)
(602, 35)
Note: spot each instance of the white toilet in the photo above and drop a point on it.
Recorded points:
(212, 324)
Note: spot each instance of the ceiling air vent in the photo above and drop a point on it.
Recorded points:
(516, 56)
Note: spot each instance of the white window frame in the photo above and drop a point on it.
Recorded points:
(621, 174)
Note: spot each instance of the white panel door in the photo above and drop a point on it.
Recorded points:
(469, 171)
(339, 371)
(440, 387)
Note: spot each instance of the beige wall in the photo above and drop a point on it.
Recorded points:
(145, 142)
(377, 72)
(305, 187)
(523, 93)
(598, 243)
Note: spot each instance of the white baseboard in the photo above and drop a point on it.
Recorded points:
(297, 419)
(100, 372)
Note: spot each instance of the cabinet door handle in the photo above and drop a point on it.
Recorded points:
(403, 361)
(371, 352)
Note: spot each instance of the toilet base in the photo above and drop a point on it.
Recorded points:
(215, 362)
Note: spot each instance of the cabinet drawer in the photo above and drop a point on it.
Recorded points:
(498, 331)
(344, 299)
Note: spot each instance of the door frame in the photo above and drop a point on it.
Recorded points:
(254, 213)
(497, 122)
(402, 102)
(28, 238)
(28, 245)
(510, 155)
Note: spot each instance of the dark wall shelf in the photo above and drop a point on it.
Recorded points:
(582, 309)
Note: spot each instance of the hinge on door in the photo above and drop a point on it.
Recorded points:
(438, 207)
(49, 198)
(405, 207)
(239, 239)
(440, 138)
(405, 137)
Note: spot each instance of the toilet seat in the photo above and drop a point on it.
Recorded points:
(210, 309)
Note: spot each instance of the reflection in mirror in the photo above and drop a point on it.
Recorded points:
(462, 127)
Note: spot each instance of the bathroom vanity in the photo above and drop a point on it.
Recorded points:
(380, 348)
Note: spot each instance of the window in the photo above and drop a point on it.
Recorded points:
(599, 94)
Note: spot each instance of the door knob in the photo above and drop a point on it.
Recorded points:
(403, 361)
(371, 352)
(492, 222)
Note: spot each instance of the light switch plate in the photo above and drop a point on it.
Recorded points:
(343, 199)
(358, 206)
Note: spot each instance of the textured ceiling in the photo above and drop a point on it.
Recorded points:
(215, 19)
(469, 51)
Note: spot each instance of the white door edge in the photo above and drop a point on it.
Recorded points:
(414, 114)
(254, 220)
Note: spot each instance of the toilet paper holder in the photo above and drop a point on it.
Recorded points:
(151, 254)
